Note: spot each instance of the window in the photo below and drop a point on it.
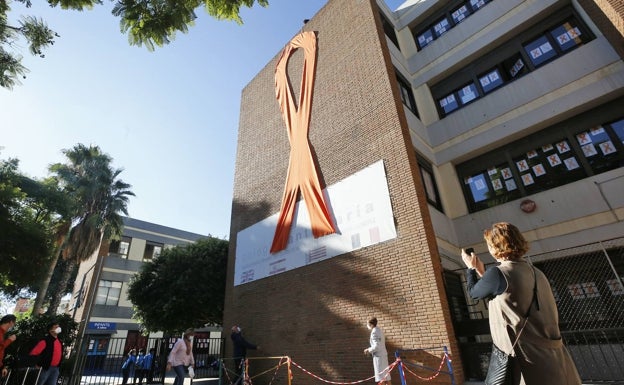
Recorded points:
(460, 14)
(431, 188)
(491, 80)
(561, 154)
(120, 247)
(389, 30)
(108, 293)
(152, 251)
(446, 18)
(618, 128)
(489, 72)
(407, 96)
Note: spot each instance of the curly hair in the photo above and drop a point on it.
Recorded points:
(506, 241)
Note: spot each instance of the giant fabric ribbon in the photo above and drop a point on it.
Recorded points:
(302, 173)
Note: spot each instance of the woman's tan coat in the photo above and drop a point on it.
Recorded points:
(541, 356)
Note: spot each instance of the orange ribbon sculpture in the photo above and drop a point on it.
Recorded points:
(301, 168)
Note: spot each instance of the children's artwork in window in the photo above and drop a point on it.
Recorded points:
(589, 150)
(425, 38)
(497, 184)
(517, 67)
(468, 93)
(571, 163)
(583, 138)
(531, 154)
(576, 291)
(567, 35)
(448, 103)
(547, 148)
(615, 287)
(460, 14)
(527, 179)
(510, 184)
(492, 171)
(441, 27)
(490, 81)
(476, 4)
(540, 50)
(506, 173)
(522, 165)
(607, 147)
(590, 289)
(478, 187)
(554, 160)
(538, 169)
(563, 147)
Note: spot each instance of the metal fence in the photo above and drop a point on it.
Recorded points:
(99, 359)
(587, 284)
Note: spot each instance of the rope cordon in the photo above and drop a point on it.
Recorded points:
(437, 372)
(388, 370)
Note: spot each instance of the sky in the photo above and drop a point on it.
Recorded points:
(168, 118)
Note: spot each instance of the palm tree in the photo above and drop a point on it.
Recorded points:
(99, 198)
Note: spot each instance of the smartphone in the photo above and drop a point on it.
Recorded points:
(469, 250)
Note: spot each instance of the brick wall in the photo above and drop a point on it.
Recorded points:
(608, 15)
(316, 314)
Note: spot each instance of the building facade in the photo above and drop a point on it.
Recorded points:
(100, 302)
(480, 111)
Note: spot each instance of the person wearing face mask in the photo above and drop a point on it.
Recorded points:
(6, 323)
(48, 354)
(377, 349)
(181, 356)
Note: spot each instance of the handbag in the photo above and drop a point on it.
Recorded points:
(501, 363)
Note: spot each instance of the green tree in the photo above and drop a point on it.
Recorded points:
(98, 198)
(29, 210)
(148, 23)
(184, 287)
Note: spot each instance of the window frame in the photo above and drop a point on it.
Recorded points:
(522, 149)
(502, 57)
(108, 296)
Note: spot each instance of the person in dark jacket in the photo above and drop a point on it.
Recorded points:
(48, 354)
(240, 351)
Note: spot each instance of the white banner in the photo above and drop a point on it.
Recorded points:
(360, 208)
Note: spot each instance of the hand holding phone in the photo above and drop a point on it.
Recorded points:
(469, 250)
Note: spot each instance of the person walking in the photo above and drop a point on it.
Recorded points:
(6, 323)
(240, 352)
(377, 350)
(519, 288)
(181, 356)
(48, 354)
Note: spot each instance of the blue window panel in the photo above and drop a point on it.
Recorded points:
(460, 14)
(478, 187)
(540, 50)
(468, 93)
(491, 80)
(425, 38)
(441, 27)
(448, 103)
(618, 127)
(567, 35)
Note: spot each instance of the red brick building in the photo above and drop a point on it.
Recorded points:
(382, 83)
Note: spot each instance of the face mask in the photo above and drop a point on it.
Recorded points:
(58, 330)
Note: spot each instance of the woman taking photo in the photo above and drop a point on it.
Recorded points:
(519, 289)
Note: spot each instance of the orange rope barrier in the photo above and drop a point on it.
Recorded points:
(388, 370)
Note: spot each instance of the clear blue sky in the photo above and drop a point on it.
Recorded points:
(169, 118)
